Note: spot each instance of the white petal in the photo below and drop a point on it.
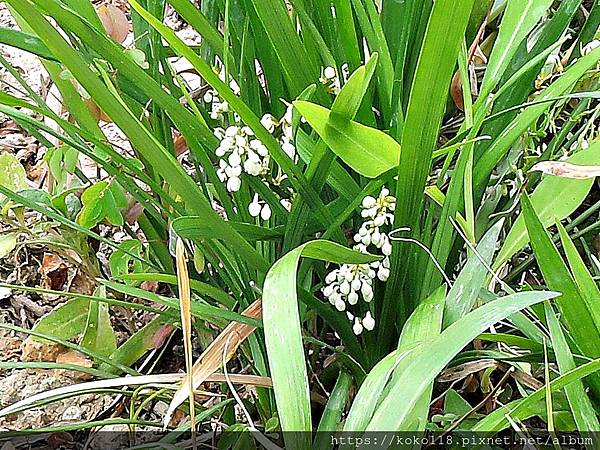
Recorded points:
(340, 304)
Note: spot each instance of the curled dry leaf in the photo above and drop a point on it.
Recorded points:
(54, 272)
(566, 170)
(115, 22)
(75, 358)
(456, 91)
(212, 358)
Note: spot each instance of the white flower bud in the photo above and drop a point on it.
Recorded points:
(357, 327)
(386, 249)
(331, 277)
(340, 305)
(345, 288)
(368, 322)
(350, 316)
(368, 202)
(231, 131)
(208, 96)
(367, 292)
(234, 184)
(234, 159)
(329, 72)
(328, 290)
(355, 285)
(383, 274)
(376, 237)
(254, 207)
(379, 221)
(353, 298)
(265, 213)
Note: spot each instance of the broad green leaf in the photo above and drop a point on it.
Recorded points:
(99, 203)
(421, 325)
(440, 350)
(283, 335)
(65, 321)
(464, 291)
(12, 173)
(121, 261)
(137, 345)
(370, 393)
(8, 242)
(554, 198)
(424, 323)
(99, 335)
(581, 406)
(367, 150)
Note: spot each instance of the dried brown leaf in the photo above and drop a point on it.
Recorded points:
(212, 358)
(115, 22)
(566, 170)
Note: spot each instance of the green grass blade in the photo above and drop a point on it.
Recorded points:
(334, 409)
(585, 283)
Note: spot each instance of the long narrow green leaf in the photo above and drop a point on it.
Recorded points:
(520, 16)
(581, 406)
(468, 283)
(283, 336)
(575, 313)
(424, 115)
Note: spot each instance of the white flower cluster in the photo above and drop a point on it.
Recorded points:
(218, 106)
(240, 149)
(346, 285)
